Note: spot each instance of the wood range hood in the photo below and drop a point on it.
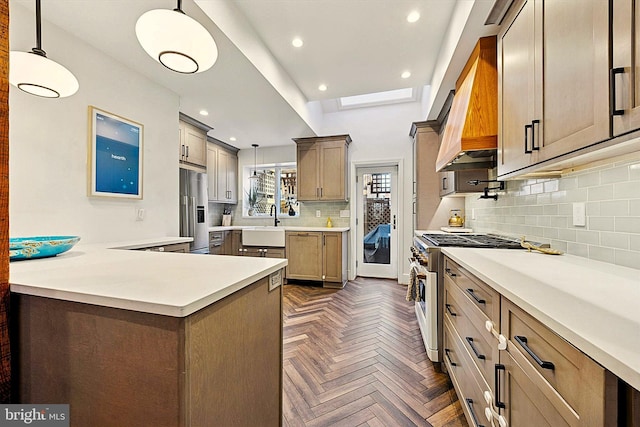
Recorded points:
(470, 139)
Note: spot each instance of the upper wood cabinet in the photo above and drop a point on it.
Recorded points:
(222, 174)
(625, 77)
(192, 144)
(322, 164)
(553, 76)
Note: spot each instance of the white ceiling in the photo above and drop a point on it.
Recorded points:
(261, 89)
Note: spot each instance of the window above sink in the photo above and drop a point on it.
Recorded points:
(268, 185)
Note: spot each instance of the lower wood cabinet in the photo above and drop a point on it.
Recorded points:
(317, 256)
(220, 243)
(520, 372)
(221, 365)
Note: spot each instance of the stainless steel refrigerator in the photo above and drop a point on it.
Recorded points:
(193, 209)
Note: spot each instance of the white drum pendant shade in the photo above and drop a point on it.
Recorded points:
(177, 41)
(38, 75)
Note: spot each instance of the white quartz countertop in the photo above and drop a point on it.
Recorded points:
(285, 227)
(593, 305)
(172, 284)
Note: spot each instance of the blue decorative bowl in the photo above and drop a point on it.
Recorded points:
(40, 246)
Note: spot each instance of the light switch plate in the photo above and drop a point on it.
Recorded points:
(579, 214)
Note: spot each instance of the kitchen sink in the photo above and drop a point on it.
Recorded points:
(263, 236)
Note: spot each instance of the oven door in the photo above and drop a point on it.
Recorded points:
(427, 313)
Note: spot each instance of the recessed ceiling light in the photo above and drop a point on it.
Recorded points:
(322, 87)
(413, 16)
(204, 113)
(297, 42)
(233, 138)
(406, 74)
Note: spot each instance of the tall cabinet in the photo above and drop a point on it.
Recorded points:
(222, 173)
(322, 168)
(553, 58)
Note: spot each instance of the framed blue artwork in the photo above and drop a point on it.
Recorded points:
(116, 147)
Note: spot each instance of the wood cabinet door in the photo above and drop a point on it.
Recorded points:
(236, 242)
(304, 252)
(222, 175)
(516, 54)
(232, 178)
(572, 76)
(308, 158)
(626, 60)
(196, 146)
(332, 257)
(332, 170)
(212, 177)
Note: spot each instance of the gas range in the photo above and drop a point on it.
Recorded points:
(469, 241)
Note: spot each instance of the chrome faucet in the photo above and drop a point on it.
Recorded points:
(271, 213)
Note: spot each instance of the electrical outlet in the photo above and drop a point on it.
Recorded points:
(318, 214)
(579, 214)
(140, 214)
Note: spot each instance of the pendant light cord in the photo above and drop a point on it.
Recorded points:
(38, 49)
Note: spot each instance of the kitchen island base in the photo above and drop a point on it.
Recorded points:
(221, 365)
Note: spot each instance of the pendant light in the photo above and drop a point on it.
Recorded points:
(255, 161)
(176, 40)
(34, 73)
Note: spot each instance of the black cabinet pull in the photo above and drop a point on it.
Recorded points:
(446, 353)
(475, 350)
(469, 402)
(496, 374)
(448, 271)
(612, 91)
(533, 134)
(526, 139)
(448, 306)
(475, 297)
(523, 343)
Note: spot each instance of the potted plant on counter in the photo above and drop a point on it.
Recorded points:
(252, 201)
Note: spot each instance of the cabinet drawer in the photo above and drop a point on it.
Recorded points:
(216, 236)
(486, 299)
(469, 322)
(554, 365)
(467, 381)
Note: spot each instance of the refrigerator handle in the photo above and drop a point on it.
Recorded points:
(185, 216)
(192, 217)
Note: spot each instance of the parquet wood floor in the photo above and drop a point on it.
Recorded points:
(355, 357)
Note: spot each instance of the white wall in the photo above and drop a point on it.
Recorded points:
(49, 140)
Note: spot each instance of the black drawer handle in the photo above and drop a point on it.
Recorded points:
(496, 374)
(469, 402)
(612, 91)
(475, 297)
(523, 343)
(473, 347)
(526, 139)
(446, 353)
(448, 306)
(533, 134)
(448, 271)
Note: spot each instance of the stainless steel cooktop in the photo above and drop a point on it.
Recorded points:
(471, 241)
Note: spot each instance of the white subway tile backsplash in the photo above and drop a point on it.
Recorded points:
(615, 240)
(626, 190)
(589, 237)
(627, 258)
(602, 254)
(616, 174)
(603, 192)
(614, 208)
(589, 179)
(542, 210)
(628, 224)
(602, 223)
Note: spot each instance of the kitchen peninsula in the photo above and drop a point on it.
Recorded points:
(131, 337)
